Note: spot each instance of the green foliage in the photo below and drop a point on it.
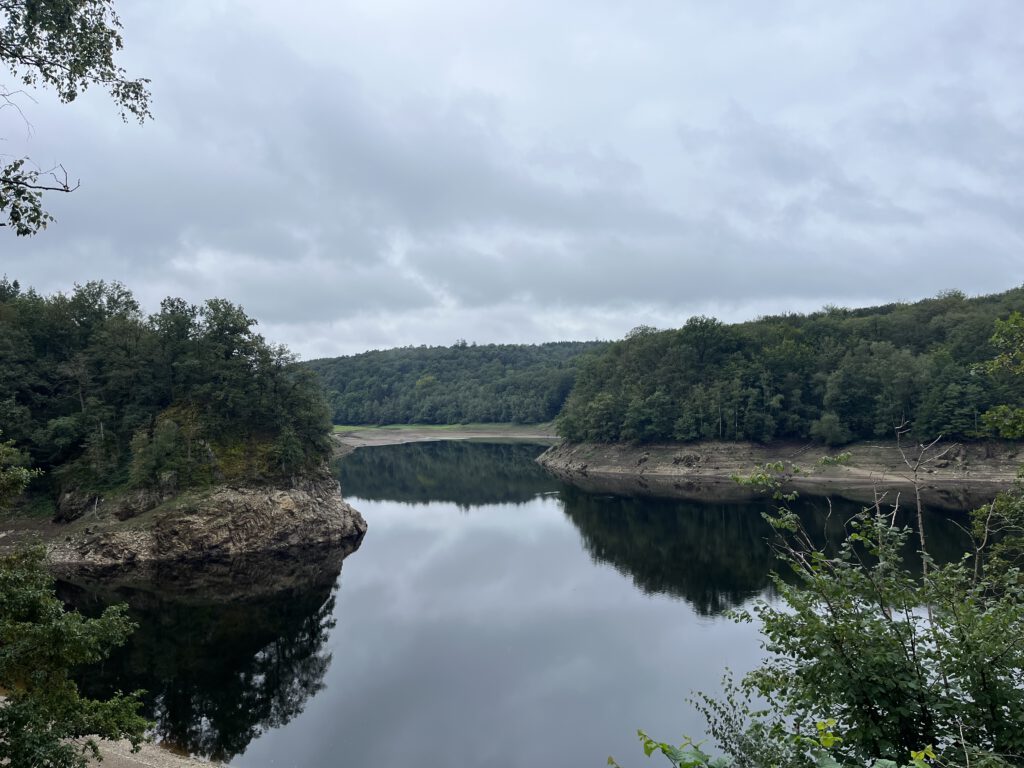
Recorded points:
(14, 475)
(1008, 365)
(40, 644)
(886, 663)
(830, 430)
(999, 529)
(893, 667)
(98, 396)
(686, 755)
(834, 461)
(67, 45)
(833, 376)
(461, 384)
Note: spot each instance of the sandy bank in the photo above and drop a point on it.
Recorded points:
(363, 437)
(967, 475)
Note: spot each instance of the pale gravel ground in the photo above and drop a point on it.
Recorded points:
(345, 442)
(118, 754)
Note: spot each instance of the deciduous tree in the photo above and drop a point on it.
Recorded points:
(68, 46)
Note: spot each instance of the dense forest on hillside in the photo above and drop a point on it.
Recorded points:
(835, 376)
(461, 384)
(97, 395)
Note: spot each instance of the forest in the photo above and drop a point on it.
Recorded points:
(96, 395)
(460, 384)
(833, 376)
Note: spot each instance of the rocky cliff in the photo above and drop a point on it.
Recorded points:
(221, 526)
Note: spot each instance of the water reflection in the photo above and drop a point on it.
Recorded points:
(220, 668)
(713, 556)
(468, 474)
(716, 555)
(543, 628)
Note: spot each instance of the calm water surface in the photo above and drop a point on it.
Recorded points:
(491, 617)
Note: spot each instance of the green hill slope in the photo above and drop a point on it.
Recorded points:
(461, 384)
(836, 375)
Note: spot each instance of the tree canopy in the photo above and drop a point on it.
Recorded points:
(834, 376)
(97, 395)
(460, 384)
(69, 46)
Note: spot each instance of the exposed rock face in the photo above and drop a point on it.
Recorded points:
(965, 476)
(223, 525)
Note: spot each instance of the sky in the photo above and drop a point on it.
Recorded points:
(362, 174)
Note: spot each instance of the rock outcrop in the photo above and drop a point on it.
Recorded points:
(221, 527)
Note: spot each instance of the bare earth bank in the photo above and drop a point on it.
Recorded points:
(364, 437)
(966, 476)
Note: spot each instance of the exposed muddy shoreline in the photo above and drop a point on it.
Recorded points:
(965, 476)
(347, 441)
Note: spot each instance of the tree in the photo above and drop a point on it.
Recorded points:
(40, 644)
(69, 46)
(1008, 340)
(14, 475)
(44, 721)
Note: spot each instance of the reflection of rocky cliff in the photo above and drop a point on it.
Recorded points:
(218, 672)
(454, 471)
(713, 555)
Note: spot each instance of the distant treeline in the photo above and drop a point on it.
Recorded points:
(97, 395)
(835, 376)
(461, 384)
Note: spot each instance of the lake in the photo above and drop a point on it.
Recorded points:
(491, 617)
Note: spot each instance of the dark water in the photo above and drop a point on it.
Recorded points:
(491, 617)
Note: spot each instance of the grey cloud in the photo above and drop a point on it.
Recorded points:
(371, 175)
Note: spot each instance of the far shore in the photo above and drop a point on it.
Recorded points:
(348, 438)
(957, 476)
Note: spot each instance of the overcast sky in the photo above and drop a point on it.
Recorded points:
(377, 173)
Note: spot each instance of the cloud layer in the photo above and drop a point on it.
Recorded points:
(362, 175)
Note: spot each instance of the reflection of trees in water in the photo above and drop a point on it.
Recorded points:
(218, 675)
(715, 556)
(454, 471)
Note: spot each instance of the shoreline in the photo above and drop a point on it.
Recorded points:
(967, 475)
(248, 538)
(348, 439)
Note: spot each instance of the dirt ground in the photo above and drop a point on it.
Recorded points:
(118, 754)
(351, 438)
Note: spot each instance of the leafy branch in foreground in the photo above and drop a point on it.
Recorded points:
(70, 46)
(44, 721)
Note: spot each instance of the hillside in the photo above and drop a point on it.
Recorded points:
(464, 383)
(833, 376)
(104, 400)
